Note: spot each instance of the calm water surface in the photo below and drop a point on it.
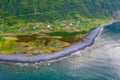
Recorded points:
(99, 62)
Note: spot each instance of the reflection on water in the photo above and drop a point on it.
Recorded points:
(99, 62)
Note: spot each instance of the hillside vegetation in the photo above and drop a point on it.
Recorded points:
(52, 10)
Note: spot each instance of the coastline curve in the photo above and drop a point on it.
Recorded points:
(86, 41)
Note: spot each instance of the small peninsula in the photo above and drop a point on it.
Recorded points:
(43, 39)
(33, 31)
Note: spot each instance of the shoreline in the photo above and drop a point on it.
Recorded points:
(86, 41)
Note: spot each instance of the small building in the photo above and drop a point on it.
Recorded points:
(48, 26)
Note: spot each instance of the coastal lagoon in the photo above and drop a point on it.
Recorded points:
(101, 61)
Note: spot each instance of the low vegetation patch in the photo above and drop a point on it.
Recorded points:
(39, 38)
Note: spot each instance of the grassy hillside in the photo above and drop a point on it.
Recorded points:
(20, 13)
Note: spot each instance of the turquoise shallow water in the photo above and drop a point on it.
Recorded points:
(99, 62)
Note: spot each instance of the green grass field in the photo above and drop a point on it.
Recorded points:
(38, 37)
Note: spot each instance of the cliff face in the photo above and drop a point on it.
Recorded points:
(117, 14)
(58, 9)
